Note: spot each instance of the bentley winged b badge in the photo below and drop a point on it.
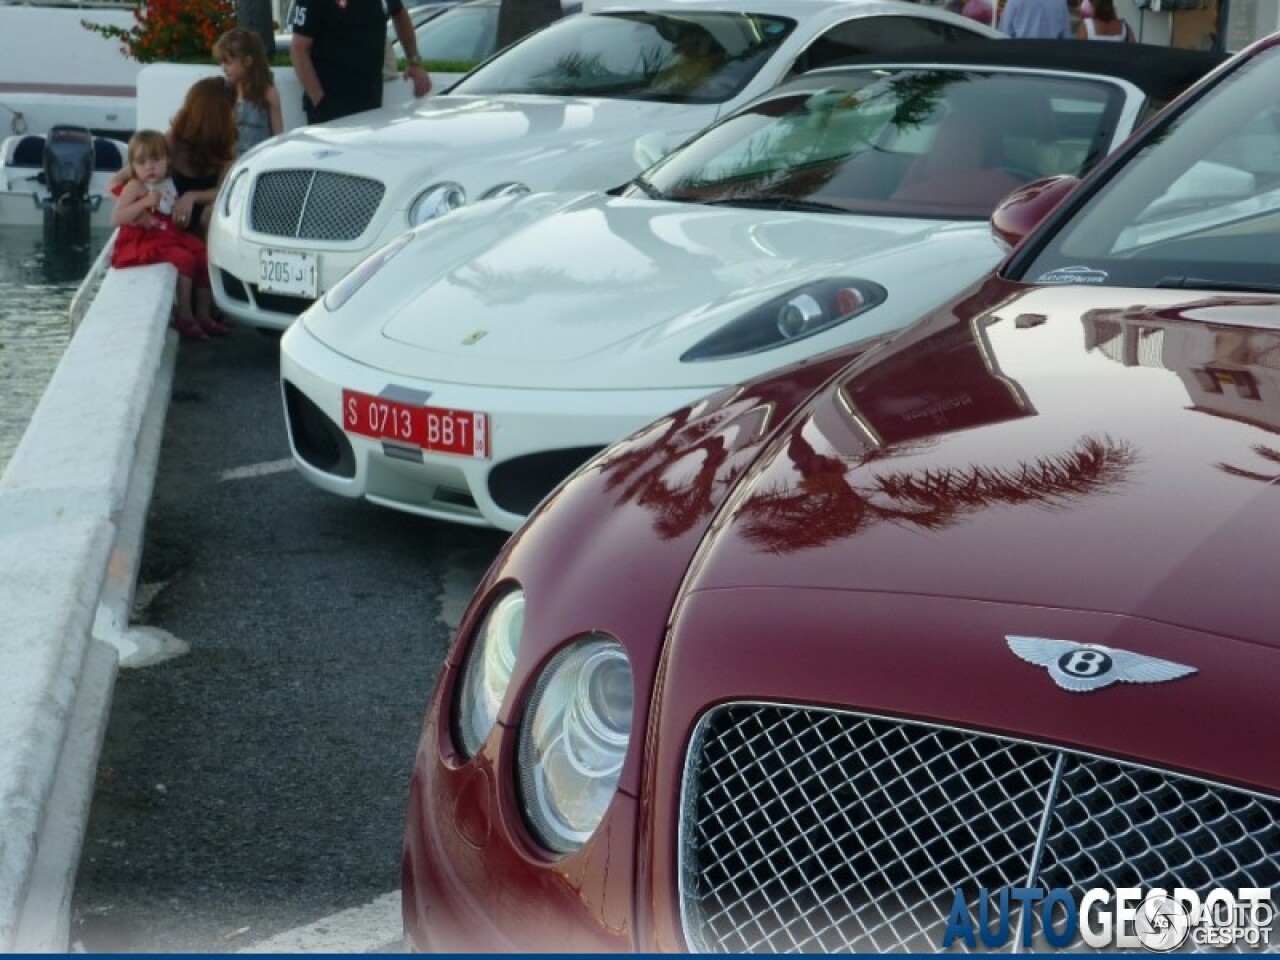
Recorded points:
(1085, 667)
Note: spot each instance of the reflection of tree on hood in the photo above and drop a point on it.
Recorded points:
(827, 505)
(1269, 454)
(641, 471)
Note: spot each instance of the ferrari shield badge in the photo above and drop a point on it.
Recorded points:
(1085, 667)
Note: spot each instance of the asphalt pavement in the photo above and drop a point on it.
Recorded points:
(257, 783)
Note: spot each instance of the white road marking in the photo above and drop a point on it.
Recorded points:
(463, 575)
(373, 927)
(256, 470)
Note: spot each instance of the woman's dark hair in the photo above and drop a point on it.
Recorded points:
(1104, 10)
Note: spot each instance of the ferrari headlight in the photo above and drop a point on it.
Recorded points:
(793, 316)
(234, 191)
(512, 189)
(573, 740)
(435, 201)
(487, 671)
(344, 289)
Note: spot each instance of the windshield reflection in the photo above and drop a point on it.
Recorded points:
(907, 142)
(685, 57)
(1198, 207)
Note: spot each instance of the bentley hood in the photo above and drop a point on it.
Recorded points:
(481, 140)
(1075, 448)
(596, 292)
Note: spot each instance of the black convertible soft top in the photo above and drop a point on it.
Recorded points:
(1159, 72)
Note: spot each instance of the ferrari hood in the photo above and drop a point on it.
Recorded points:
(1076, 448)
(594, 292)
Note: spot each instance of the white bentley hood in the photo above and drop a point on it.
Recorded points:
(480, 141)
(596, 292)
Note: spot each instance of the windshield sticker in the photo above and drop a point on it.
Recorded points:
(1073, 275)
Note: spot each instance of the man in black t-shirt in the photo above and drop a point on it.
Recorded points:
(338, 48)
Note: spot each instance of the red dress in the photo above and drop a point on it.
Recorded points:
(138, 246)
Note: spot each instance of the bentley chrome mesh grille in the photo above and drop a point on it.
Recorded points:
(314, 204)
(810, 831)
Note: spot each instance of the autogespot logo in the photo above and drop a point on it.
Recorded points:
(1127, 917)
(1162, 923)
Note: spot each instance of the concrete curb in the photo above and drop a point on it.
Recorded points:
(73, 504)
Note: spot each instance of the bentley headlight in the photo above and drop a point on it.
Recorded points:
(487, 671)
(344, 289)
(793, 316)
(234, 191)
(512, 189)
(435, 201)
(573, 741)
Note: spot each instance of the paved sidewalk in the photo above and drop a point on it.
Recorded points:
(257, 783)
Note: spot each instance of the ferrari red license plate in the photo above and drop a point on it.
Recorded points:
(463, 433)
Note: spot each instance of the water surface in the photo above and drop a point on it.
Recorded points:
(39, 275)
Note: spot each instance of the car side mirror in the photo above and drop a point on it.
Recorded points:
(650, 148)
(1025, 209)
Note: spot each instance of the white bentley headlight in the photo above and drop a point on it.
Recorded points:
(511, 189)
(435, 201)
(233, 194)
(574, 737)
(487, 672)
(344, 289)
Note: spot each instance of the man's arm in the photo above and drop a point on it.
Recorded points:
(409, 43)
(300, 54)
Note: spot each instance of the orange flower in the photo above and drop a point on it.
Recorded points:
(181, 31)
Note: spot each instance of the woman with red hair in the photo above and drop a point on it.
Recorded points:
(202, 139)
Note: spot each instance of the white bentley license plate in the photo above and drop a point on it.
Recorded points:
(289, 272)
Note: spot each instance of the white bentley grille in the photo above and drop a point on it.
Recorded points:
(314, 204)
(813, 831)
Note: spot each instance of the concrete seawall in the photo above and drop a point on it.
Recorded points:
(73, 505)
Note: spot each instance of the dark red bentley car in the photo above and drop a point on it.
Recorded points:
(863, 655)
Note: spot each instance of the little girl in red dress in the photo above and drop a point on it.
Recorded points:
(147, 235)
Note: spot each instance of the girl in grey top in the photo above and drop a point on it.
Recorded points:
(253, 122)
(244, 64)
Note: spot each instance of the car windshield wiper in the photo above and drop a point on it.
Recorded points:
(774, 203)
(647, 188)
(1204, 283)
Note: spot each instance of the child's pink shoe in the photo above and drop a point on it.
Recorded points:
(187, 327)
(214, 328)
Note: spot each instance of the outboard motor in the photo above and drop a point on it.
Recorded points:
(68, 164)
(68, 168)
